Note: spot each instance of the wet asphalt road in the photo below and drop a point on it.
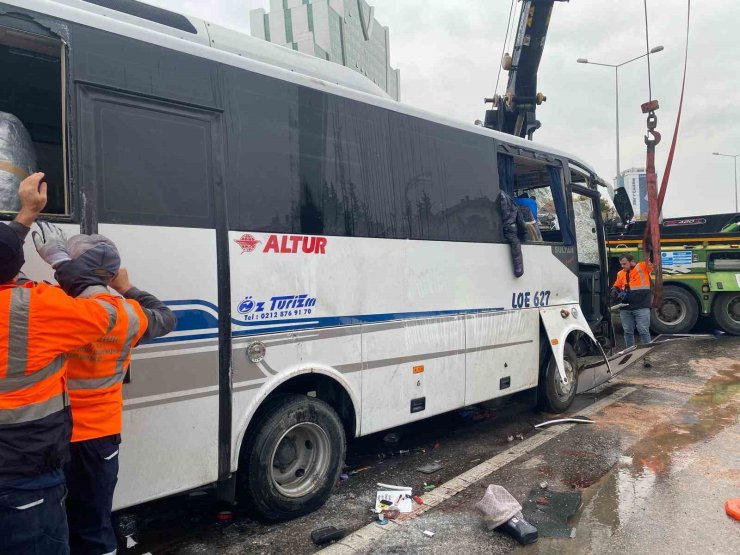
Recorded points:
(654, 472)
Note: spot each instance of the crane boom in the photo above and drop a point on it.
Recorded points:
(514, 112)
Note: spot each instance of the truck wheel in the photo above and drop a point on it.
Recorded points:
(677, 313)
(552, 394)
(726, 312)
(291, 460)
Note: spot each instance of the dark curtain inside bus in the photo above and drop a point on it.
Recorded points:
(510, 215)
(561, 209)
(506, 173)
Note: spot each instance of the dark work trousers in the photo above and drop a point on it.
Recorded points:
(33, 522)
(92, 473)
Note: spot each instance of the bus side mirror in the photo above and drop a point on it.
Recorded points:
(623, 205)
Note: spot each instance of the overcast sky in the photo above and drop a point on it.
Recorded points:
(449, 59)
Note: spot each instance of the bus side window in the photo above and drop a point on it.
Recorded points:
(152, 161)
(31, 117)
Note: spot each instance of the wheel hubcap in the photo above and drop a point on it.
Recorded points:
(300, 459)
(734, 309)
(564, 389)
(671, 311)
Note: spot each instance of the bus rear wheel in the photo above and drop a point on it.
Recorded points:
(292, 458)
(553, 395)
(726, 312)
(677, 312)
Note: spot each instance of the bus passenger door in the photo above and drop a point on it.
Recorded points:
(591, 254)
(150, 171)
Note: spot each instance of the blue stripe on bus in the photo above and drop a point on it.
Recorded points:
(197, 320)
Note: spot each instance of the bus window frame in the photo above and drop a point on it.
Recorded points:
(54, 42)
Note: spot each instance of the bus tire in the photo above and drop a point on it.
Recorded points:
(726, 312)
(551, 396)
(292, 458)
(677, 313)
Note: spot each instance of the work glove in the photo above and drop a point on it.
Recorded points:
(614, 294)
(51, 244)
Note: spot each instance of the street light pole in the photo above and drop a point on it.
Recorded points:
(616, 67)
(734, 157)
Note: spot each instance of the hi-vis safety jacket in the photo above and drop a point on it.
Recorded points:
(637, 282)
(96, 371)
(39, 325)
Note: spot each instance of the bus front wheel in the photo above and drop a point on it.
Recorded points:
(553, 395)
(292, 458)
(726, 312)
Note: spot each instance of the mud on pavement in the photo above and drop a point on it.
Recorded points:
(653, 471)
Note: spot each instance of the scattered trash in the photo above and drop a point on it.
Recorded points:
(326, 534)
(130, 542)
(550, 511)
(404, 452)
(418, 500)
(392, 512)
(509, 438)
(428, 534)
(502, 512)
(732, 507)
(474, 461)
(391, 439)
(430, 468)
(520, 436)
(519, 529)
(580, 420)
(343, 477)
(543, 485)
(389, 495)
(436, 445)
(225, 518)
(359, 470)
(429, 487)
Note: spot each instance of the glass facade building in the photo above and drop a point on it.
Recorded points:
(341, 31)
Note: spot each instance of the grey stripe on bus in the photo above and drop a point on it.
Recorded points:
(22, 382)
(94, 383)
(35, 411)
(133, 328)
(187, 397)
(20, 303)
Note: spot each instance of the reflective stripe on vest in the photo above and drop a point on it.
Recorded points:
(120, 370)
(34, 411)
(16, 377)
(646, 282)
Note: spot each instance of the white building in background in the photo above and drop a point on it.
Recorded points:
(634, 181)
(341, 31)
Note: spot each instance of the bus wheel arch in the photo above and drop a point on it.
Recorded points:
(293, 448)
(678, 312)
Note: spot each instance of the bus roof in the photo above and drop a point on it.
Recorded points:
(207, 40)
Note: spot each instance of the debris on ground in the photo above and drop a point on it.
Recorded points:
(549, 511)
(398, 496)
(732, 507)
(580, 420)
(343, 477)
(428, 534)
(225, 518)
(392, 512)
(497, 506)
(509, 438)
(502, 512)
(520, 436)
(326, 534)
(359, 470)
(429, 487)
(543, 485)
(430, 468)
(392, 438)
(418, 500)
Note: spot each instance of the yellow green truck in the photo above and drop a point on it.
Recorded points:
(701, 270)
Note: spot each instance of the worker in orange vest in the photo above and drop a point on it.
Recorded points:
(96, 373)
(633, 289)
(40, 323)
